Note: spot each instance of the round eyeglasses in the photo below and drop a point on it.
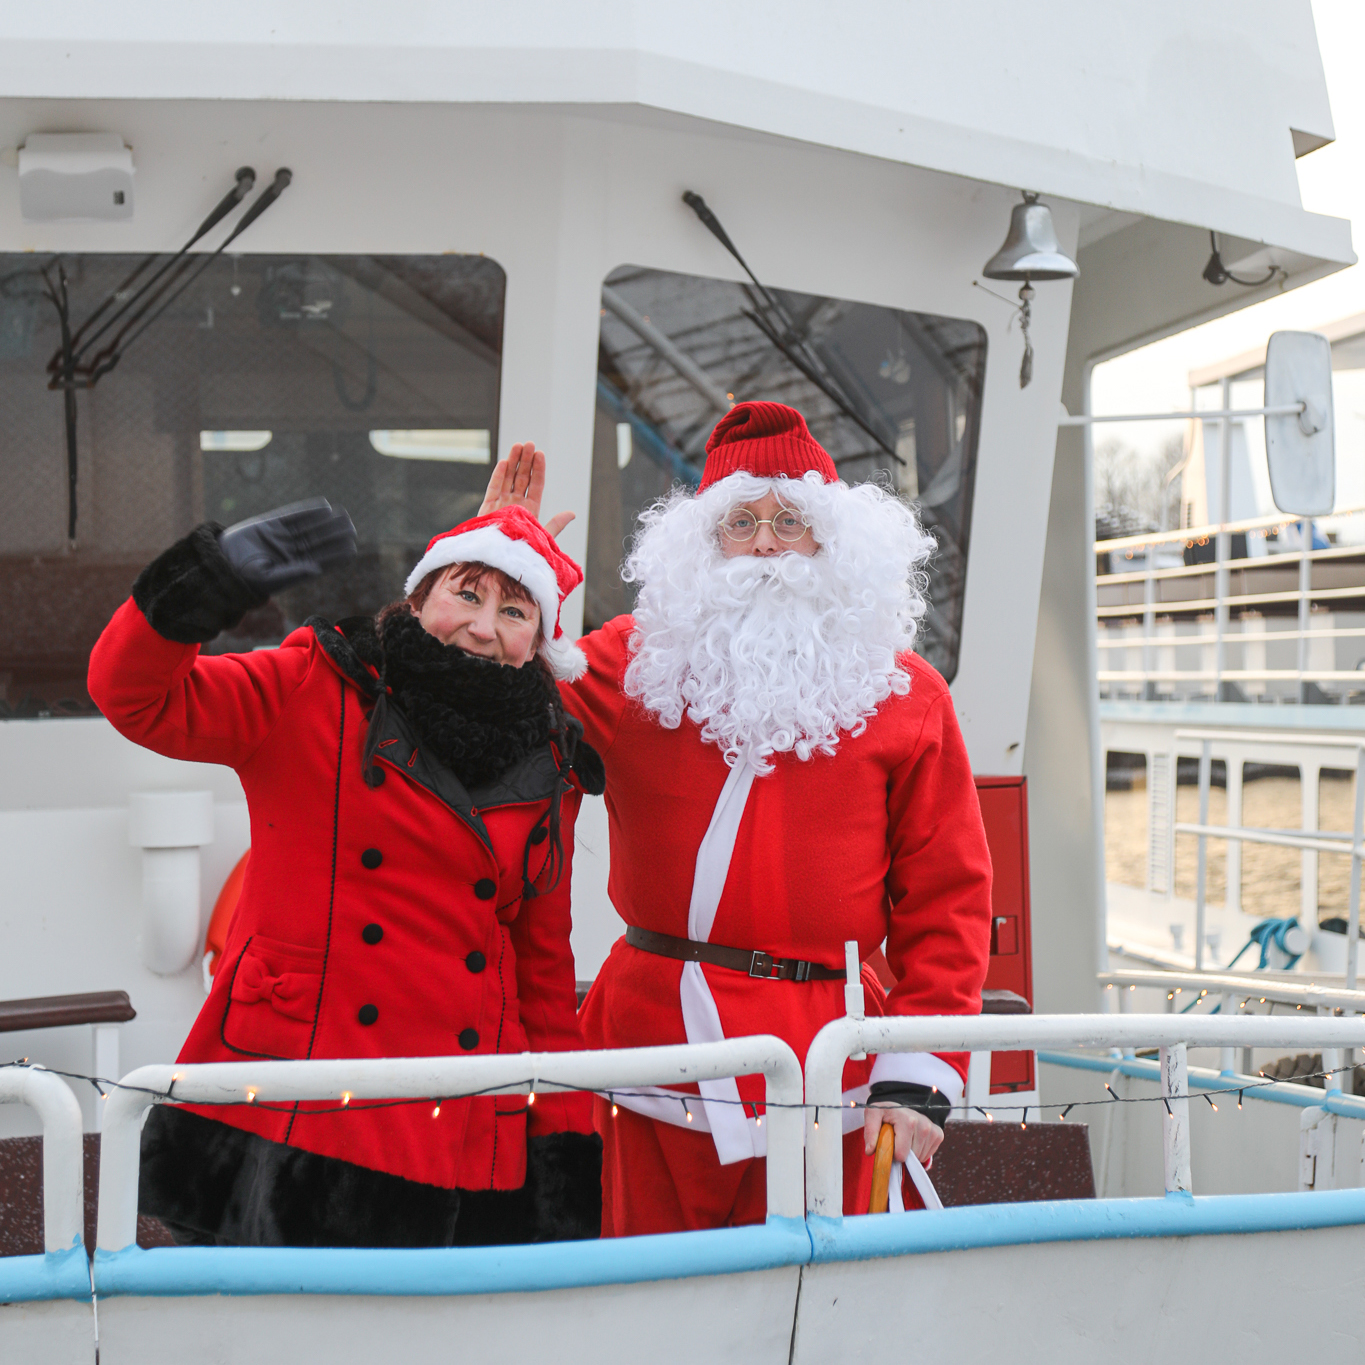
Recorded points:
(741, 524)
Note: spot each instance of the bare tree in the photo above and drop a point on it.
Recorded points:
(1134, 490)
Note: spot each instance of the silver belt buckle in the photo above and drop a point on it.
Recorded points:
(762, 966)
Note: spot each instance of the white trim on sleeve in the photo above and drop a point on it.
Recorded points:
(919, 1068)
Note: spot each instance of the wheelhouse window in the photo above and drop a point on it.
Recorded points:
(892, 395)
(368, 380)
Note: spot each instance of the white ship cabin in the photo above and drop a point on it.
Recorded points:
(464, 226)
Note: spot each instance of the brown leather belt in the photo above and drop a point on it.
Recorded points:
(762, 966)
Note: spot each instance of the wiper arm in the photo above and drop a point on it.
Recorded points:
(245, 179)
(114, 352)
(802, 355)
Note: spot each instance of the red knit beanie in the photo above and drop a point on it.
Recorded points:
(769, 440)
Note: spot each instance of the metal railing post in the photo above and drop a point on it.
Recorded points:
(1175, 1122)
(63, 1150)
(1149, 626)
(1353, 917)
(1310, 778)
(1305, 602)
(1222, 549)
(1232, 849)
(1201, 883)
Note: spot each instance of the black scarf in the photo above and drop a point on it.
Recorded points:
(477, 716)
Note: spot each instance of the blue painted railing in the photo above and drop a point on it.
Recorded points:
(178, 1271)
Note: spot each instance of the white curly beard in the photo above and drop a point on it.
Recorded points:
(781, 654)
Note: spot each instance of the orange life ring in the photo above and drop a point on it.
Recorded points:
(221, 919)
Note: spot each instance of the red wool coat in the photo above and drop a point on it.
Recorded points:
(882, 841)
(373, 922)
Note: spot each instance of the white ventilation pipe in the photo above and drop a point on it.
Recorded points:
(170, 828)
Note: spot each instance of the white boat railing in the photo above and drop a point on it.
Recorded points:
(1157, 641)
(1173, 1034)
(1317, 841)
(445, 1078)
(1231, 987)
(63, 1152)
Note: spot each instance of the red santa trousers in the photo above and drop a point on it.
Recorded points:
(660, 1177)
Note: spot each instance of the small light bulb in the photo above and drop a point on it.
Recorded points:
(179, 1076)
(531, 1098)
(990, 1118)
(345, 1098)
(817, 1123)
(614, 1111)
(758, 1119)
(436, 1113)
(1215, 1107)
(250, 1096)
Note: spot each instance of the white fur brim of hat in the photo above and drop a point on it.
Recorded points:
(488, 545)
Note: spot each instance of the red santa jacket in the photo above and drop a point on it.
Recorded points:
(373, 922)
(881, 841)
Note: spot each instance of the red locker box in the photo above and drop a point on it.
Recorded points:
(1004, 810)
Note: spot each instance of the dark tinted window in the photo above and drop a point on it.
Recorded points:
(891, 395)
(372, 381)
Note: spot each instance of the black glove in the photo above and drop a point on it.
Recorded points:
(289, 544)
(207, 582)
(933, 1104)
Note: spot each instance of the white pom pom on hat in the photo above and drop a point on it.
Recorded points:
(513, 541)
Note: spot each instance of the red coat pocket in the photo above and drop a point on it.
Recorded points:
(273, 998)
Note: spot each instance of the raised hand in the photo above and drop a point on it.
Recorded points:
(289, 544)
(519, 480)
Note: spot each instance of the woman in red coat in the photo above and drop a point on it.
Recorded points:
(412, 783)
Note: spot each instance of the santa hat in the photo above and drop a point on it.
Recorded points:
(512, 540)
(769, 440)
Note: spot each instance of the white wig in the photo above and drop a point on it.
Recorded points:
(781, 653)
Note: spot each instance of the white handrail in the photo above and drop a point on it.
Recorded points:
(1269, 988)
(1238, 834)
(438, 1077)
(1210, 529)
(1301, 740)
(63, 1152)
(1197, 414)
(1173, 1033)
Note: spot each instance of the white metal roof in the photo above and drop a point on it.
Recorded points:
(1188, 113)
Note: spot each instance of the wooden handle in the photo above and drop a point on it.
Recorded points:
(881, 1170)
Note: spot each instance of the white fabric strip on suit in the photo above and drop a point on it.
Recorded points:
(737, 1136)
(920, 1177)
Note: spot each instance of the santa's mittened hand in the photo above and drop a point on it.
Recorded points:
(289, 545)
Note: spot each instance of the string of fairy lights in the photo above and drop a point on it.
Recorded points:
(1235, 1086)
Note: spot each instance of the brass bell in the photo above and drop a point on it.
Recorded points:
(1030, 251)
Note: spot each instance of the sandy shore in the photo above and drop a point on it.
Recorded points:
(1270, 876)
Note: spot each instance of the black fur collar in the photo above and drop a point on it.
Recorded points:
(478, 717)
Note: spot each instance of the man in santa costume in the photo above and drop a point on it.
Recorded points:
(783, 775)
